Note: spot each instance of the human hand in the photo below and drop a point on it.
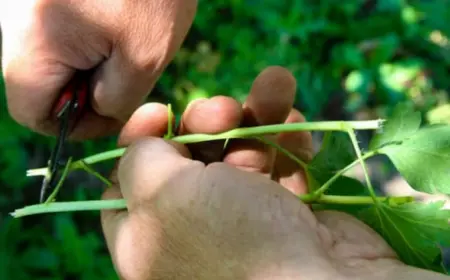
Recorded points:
(128, 43)
(237, 216)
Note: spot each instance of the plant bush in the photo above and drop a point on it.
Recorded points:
(352, 60)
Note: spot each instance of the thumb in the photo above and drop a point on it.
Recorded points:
(150, 165)
(147, 169)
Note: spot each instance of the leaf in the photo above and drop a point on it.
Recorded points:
(348, 55)
(347, 186)
(439, 114)
(396, 77)
(385, 49)
(423, 159)
(335, 154)
(415, 231)
(357, 84)
(358, 81)
(403, 122)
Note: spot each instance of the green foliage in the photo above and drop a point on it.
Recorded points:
(424, 159)
(57, 252)
(350, 58)
(403, 123)
(381, 51)
(403, 222)
(335, 154)
(415, 230)
(422, 156)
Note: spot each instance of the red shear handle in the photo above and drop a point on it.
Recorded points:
(76, 90)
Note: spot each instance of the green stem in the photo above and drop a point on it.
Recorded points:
(92, 171)
(37, 172)
(353, 200)
(96, 205)
(169, 134)
(104, 156)
(354, 140)
(246, 132)
(284, 151)
(341, 172)
(52, 196)
(55, 207)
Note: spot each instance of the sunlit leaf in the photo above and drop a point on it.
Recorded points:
(385, 49)
(423, 159)
(396, 76)
(440, 114)
(358, 81)
(403, 122)
(415, 231)
(358, 84)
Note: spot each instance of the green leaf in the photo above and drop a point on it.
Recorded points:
(396, 76)
(347, 186)
(385, 50)
(415, 231)
(358, 81)
(357, 84)
(335, 154)
(403, 122)
(423, 159)
(348, 55)
(439, 114)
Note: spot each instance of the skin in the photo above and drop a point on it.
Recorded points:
(128, 44)
(197, 211)
(234, 213)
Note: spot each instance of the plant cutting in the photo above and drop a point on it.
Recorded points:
(416, 230)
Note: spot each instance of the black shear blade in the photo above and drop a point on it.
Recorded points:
(57, 161)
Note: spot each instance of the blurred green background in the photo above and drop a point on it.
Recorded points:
(352, 60)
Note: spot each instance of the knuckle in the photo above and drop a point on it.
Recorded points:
(24, 112)
(25, 120)
(136, 151)
(108, 106)
(22, 116)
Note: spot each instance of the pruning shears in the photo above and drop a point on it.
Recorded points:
(67, 111)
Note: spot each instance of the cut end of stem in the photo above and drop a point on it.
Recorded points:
(37, 172)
